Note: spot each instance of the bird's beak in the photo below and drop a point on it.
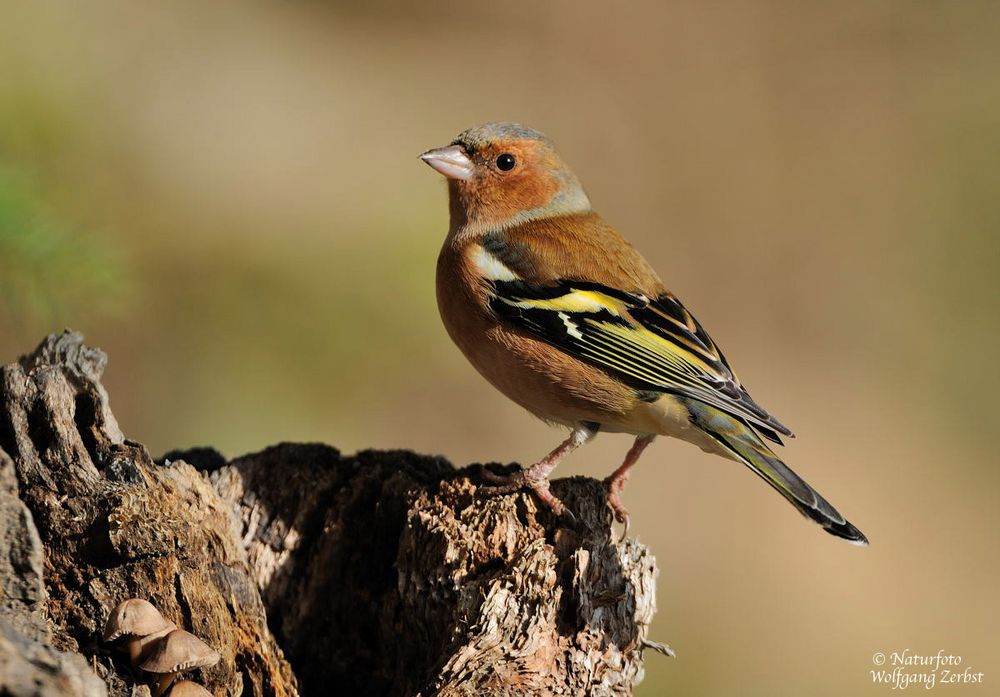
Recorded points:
(451, 161)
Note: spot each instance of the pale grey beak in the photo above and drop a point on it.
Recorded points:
(451, 161)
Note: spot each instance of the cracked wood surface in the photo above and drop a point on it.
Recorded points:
(311, 572)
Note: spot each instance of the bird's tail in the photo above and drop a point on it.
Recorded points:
(743, 444)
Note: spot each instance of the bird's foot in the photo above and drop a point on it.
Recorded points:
(525, 479)
(500, 480)
(614, 488)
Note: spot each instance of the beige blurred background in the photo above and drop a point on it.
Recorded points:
(226, 197)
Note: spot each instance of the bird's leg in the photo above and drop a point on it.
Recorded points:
(615, 482)
(536, 477)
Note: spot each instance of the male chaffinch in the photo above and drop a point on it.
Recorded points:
(566, 318)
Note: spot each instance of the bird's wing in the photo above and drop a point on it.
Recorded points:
(652, 344)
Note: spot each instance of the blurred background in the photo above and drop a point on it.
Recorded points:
(226, 198)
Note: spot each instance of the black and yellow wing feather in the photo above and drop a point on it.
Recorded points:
(652, 344)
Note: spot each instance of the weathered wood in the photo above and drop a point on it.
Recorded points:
(382, 573)
(112, 525)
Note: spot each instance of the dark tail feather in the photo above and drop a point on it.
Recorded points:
(747, 447)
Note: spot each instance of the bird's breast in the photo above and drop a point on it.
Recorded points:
(541, 378)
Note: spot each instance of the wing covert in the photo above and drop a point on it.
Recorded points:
(652, 344)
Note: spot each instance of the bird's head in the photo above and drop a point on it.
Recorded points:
(503, 174)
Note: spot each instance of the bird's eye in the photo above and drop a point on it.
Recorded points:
(506, 162)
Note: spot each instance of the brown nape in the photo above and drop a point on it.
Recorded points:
(494, 197)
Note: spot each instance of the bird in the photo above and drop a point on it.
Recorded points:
(565, 317)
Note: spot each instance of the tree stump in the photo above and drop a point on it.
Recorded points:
(310, 572)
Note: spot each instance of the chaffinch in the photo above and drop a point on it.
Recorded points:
(561, 314)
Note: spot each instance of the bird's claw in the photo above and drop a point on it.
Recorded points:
(504, 483)
(617, 508)
(518, 481)
(503, 479)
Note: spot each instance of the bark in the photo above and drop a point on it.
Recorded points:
(312, 572)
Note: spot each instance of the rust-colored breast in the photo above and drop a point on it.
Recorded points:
(547, 382)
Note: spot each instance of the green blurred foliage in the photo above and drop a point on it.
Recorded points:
(50, 272)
